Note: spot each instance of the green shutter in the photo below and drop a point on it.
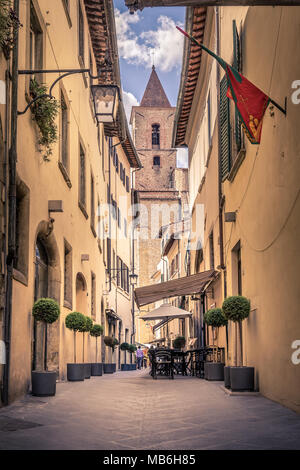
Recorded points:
(237, 66)
(224, 129)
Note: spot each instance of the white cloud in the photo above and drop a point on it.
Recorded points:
(182, 158)
(164, 42)
(129, 100)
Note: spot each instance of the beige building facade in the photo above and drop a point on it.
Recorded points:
(251, 223)
(63, 224)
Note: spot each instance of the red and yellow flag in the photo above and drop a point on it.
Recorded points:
(250, 101)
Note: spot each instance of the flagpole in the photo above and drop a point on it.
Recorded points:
(279, 107)
(283, 110)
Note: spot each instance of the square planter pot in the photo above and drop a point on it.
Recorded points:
(242, 378)
(96, 369)
(132, 366)
(75, 372)
(125, 367)
(227, 376)
(109, 368)
(214, 371)
(87, 370)
(43, 383)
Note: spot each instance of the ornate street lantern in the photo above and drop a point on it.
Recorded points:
(106, 101)
(133, 279)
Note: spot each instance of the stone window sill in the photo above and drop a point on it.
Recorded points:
(83, 209)
(20, 277)
(236, 165)
(67, 304)
(65, 174)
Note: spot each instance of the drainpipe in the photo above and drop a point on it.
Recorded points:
(220, 195)
(12, 159)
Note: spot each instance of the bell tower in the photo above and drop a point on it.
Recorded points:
(152, 126)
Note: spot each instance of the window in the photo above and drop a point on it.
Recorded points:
(93, 296)
(125, 227)
(121, 171)
(209, 119)
(237, 270)
(155, 135)
(35, 43)
(66, 5)
(124, 176)
(119, 218)
(98, 220)
(127, 184)
(224, 129)
(82, 176)
(236, 133)
(67, 275)
(80, 34)
(118, 271)
(64, 132)
(211, 250)
(22, 228)
(156, 161)
(231, 135)
(117, 163)
(92, 203)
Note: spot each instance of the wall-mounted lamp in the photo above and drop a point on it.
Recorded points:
(106, 101)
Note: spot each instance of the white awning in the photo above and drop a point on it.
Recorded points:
(166, 312)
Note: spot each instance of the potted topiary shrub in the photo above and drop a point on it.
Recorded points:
(96, 367)
(215, 318)
(124, 347)
(44, 382)
(179, 342)
(87, 328)
(75, 321)
(236, 309)
(111, 342)
(132, 348)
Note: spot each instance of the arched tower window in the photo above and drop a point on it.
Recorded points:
(155, 135)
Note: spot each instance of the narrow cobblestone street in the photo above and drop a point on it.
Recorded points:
(130, 411)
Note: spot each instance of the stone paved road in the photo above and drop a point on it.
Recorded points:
(129, 410)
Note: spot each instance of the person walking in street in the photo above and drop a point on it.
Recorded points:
(139, 357)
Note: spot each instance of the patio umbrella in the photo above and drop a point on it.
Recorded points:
(166, 312)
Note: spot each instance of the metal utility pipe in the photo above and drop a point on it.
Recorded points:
(12, 159)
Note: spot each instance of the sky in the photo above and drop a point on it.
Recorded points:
(149, 37)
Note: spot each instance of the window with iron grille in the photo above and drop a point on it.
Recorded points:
(82, 176)
(80, 33)
(155, 135)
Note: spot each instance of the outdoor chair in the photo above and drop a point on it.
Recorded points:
(162, 364)
(179, 362)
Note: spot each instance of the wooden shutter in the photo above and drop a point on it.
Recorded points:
(237, 66)
(224, 129)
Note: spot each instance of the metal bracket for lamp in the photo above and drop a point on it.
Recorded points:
(65, 72)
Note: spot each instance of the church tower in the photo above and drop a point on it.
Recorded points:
(152, 125)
